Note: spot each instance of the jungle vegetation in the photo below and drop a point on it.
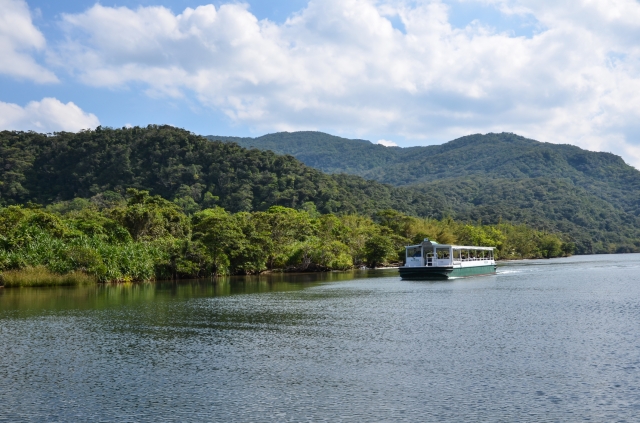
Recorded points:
(141, 237)
(592, 197)
(179, 165)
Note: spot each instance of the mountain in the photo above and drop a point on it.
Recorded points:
(177, 164)
(594, 197)
(504, 155)
(325, 152)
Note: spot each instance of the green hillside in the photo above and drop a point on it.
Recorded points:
(159, 202)
(590, 197)
(593, 196)
(177, 164)
(503, 155)
(326, 152)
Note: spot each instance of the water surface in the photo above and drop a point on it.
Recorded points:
(549, 340)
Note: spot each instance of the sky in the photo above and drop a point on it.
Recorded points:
(397, 72)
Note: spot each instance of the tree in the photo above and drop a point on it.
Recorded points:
(568, 248)
(149, 217)
(219, 232)
(287, 226)
(378, 249)
(550, 246)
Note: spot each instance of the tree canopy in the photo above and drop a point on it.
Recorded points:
(142, 237)
(182, 167)
(594, 197)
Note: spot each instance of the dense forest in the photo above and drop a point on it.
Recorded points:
(139, 237)
(504, 155)
(138, 204)
(593, 197)
(181, 166)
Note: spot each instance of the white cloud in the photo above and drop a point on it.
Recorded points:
(18, 38)
(48, 115)
(387, 143)
(340, 66)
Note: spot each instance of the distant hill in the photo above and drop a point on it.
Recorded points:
(504, 155)
(593, 196)
(177, 164)
(326, 152)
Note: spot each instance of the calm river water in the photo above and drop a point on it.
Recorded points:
(553, 340)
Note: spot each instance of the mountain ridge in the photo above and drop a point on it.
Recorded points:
(299, 145)
(175, 163)
(491, 177)
(599, 212)
(501, 156)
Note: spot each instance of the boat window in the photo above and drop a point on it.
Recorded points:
(490, 254)
(481, 254)
(456, 254)
(443, 253)
(414, 251)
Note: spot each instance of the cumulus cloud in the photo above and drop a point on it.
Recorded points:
(340, 65)
(18, 39)
(387, 143)
(47, 115)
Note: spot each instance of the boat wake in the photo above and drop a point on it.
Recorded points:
(507, 272)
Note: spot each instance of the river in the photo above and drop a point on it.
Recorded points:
(543, 340)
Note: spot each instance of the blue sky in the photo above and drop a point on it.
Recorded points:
(405, 72)
(130, 105)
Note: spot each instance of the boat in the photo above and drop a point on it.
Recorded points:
(430, 260)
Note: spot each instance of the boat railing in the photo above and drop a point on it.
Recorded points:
(472, 259)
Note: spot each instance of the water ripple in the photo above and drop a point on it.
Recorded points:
(542, 341)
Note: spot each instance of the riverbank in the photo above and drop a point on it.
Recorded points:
(143, 238)
(40, 276)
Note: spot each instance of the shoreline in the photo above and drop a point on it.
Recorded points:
(68, 279)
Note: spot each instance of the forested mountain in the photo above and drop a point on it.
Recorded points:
(504, 155)
(181, 166)
(593, 196)
(101, 221)
(590, 197)
(326, 152)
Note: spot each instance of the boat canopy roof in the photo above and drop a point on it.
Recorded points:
(455, 247)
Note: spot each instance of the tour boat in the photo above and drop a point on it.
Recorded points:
(430, 260)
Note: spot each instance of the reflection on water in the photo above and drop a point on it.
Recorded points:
(30, 300)
(543, 340)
